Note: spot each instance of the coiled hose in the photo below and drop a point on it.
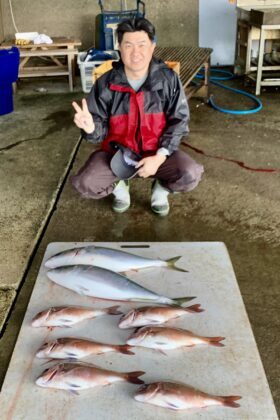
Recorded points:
(228, 76)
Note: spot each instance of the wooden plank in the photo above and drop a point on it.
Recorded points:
(42, 68)
(57, 42)
(35, 72)
(48, 53)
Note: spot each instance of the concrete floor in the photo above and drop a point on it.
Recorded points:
(40, 148)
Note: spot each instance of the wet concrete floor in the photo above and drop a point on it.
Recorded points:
(40, 148)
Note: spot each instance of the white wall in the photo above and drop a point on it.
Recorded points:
(217, 29)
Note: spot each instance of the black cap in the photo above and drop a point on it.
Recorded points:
(123, 162)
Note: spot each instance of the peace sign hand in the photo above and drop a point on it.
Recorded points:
(83, 118)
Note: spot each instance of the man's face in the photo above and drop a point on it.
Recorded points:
(136, 51)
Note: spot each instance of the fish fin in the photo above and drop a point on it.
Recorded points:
(229, 401)
(73, 388)
(125, 349)
(161, 351)
(151, 321)
(181, 300)
(71, 360)
(132, 377)
(49, 361)
(172, 405)
(171, 264)
(81, 362)
(138, 329)
(71, 355)
(194, 308)
(73, 391)
(215, 341)
(113, 310)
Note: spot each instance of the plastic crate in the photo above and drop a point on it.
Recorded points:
(87, 68)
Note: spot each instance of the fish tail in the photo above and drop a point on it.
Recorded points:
(194, 308)
(229, 401)
(132, 377)
(125, 349)
(113, 310)
(181, 300)
(215, 341)
(171, 264)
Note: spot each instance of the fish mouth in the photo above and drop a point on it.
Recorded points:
(46, 376)
(127, 319)
(40, 318)
(50, 263)
(46, 349)
(138, 335)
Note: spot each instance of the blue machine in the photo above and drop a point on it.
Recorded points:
(106, 22)
(9, 65)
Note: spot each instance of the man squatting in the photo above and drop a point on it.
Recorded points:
(140, 103)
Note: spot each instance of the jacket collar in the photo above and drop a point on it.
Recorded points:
(152, 83)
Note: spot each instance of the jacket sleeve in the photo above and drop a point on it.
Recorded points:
(98, 101)
(177, 116)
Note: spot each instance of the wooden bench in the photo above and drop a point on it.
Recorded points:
(192, 60)
(62, 49)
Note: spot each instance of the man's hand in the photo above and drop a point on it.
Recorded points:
(83, 118)
(149, 165)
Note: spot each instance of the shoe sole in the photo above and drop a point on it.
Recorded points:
(160, 213)
(120, 210)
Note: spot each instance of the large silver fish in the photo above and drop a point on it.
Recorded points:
(180, 397)
(105, 284)
(113, 259)
(155, 315)
(77, 348)
(74, 377)
(66, 316)
(163, 338)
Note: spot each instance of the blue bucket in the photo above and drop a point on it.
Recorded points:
(6, 99)
(9, 65)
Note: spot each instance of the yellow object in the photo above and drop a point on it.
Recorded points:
(22, 41)
(107, 65)
(103, 68)
(174, 65)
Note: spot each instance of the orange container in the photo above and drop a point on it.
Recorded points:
(174, 65)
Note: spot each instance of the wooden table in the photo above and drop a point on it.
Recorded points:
(192, 60)
(61, 54)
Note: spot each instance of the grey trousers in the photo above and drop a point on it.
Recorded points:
(96, 180)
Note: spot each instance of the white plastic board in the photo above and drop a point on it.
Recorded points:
(235, 369)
